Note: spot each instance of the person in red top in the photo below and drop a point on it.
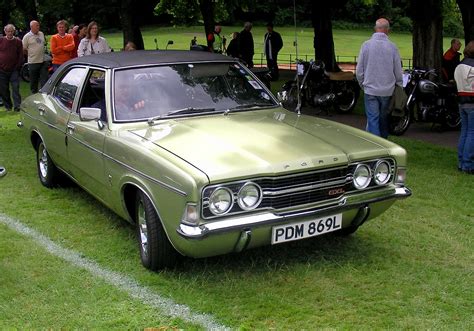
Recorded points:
(62, 45)
(451, 59)
(11, 59)
(78, 33)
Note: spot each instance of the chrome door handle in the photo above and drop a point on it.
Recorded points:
(41, 111)
(70, 128)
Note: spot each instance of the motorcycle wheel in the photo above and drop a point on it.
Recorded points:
(25, 73)
(399, 121)
(453, 120)
(346, 99)
(292, 97)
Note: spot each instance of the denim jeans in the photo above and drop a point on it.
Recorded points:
(376, 110)
(7, 78)
(38, 74)
(466, 139)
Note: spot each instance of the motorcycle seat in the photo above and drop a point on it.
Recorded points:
(341, 75)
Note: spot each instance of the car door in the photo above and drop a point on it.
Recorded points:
(54, 111)
(85, 139)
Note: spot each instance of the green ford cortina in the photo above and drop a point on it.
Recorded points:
(196, 152)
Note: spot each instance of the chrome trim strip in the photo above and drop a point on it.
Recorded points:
(305, 188)
(246, 222)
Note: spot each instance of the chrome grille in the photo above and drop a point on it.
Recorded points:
(292, 190)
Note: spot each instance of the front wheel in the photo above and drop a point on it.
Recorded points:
(47, 172)
(399, 121)
(156, 252)
(290, 95)
(346, 98)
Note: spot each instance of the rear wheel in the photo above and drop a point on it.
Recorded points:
(48, 174)
(25, 73)
(453, 120)
(156, 252)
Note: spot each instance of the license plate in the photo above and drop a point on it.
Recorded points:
(296, 231)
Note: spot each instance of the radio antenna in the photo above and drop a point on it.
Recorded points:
(298, 105)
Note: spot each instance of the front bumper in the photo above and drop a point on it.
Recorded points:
(359, 201)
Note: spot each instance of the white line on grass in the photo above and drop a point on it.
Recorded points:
(127, 284)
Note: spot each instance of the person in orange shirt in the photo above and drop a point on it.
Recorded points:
(62, 45)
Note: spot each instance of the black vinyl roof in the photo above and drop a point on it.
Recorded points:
(131, 58)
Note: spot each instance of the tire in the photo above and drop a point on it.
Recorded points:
(453, 120)
(346, 98)
(292, 95)
(156, 252)
(399, 121)
(25, 73)
(48, 173)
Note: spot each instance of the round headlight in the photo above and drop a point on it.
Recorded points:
(221, 201)
(362, 176)
(382, 173)
(249, 196)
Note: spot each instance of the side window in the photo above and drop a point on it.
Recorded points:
(65, 91)
(94, 92)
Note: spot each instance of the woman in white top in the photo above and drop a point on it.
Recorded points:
(93, 43)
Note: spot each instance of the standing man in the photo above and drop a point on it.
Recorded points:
(273, 44)
(246, 46)
(11, 59)
(378, 69)
(33, 46)
(451, 59)
(62, 45)
(215, 42)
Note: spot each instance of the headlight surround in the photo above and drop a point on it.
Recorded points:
(221, 201)
(362, 176)
(249, 196)
(382, 172)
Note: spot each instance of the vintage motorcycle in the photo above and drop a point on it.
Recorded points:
(428, 101)
(320, 89)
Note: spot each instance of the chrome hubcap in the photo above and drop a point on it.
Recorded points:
(43, 162)
(142, 227)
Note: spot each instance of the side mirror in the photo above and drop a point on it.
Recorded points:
(89, 114)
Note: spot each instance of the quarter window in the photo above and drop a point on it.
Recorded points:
(66, 89)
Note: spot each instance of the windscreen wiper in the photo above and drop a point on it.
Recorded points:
(187, 110)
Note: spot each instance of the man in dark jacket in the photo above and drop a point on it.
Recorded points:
(273, 44)
(246, 47)
(11, 59)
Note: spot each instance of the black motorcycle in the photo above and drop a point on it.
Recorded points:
(428, 101)
(320, 89)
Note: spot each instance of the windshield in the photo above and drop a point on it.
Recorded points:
(184, 89)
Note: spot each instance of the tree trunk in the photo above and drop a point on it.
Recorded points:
(207, 11)
(427, 33)
(467, 12)
(323, 38)
(130, 18)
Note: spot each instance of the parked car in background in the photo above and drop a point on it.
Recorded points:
(196, 152)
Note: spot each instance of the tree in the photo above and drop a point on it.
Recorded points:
(427, 33)
(207, 12)
(467, 12)
(130, 19)
(323, 37)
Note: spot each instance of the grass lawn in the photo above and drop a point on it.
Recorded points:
(411, 268)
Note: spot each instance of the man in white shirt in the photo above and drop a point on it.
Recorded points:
(34, 46)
